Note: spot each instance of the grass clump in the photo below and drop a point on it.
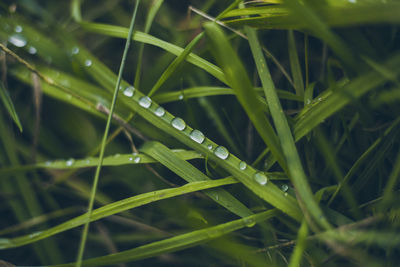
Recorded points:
(258, 133)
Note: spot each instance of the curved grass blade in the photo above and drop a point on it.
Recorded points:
(294, 165)
(114, 208)
(121, 32)
(178, 242)
(331, 102)
(9, 106)
(191, 174)
(236, 75)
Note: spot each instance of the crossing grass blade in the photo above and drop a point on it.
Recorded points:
(178, 242)
(295, 168)
(191, 174)
(114, 208)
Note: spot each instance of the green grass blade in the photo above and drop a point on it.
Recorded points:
(295, 65)
(121, 32)
(331, 102)
(154, 7)
(294, 165)
(9, 106)
(178, 242)
(176, 63)
(301, 243)
(114, 208)
(240, 83)
(104, 141)
(191, 174)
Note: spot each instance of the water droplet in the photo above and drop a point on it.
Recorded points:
(145, 101)
(18, 28)
(180, 97)
(197, 136)
(308, 102)
(217, 197)
(87, 161)
(260, 178)
(70, 162)
(178, 123)
(129, 91)
(47, 163)
(88, 63)
(249, 222)
(18, 40)
(210, 147)
(75, 50)
(134, 153)
(160, 111)
(130, 159)
(320, 99)
(284, 187)
(221, 152)
(137, 159)
(32, 50)
(242, 165)
(285, 194)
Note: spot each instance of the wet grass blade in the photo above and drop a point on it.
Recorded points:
(191, 174)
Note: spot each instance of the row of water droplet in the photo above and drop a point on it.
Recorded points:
(195, 135)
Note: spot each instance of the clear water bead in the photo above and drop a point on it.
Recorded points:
(18, 28)
(242, 165)
(145, 101)
(160, 111)
(32, 50)
(284, 187)
(137, 159)
(180, 97)
(18, 40)
(88, 63)
(197, 136)
(75, 50)
(70, 162)
(260, 178)
(129, 91)
(210, 147)
(178, 123)
(221, 152)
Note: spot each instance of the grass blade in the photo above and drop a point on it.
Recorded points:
(178, 242)
(188, 172)
(8, 104)
(113, 208)
(101, 156)
(294, 165)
